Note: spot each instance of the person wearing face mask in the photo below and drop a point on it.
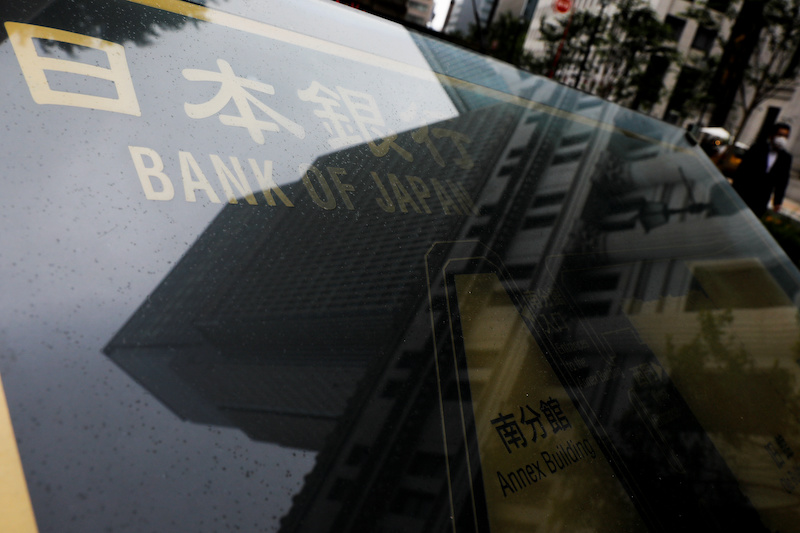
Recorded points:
(764, 171)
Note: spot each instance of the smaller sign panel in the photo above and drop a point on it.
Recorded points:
(542, 468)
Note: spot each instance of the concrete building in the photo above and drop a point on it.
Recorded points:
(419, 12)
(462, 12)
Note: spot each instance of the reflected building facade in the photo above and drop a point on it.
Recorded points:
(329, 328)
(271, 318)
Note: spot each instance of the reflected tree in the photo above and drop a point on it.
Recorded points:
(609, 54)
(715, 369)
(567, 42)
(119, 22)
(503, 39)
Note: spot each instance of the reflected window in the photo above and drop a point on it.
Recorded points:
(412, 503)
(719, 5)
(425, 464)
(676, 25)
(704, 39)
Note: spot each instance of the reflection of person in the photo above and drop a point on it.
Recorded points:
(764, 171)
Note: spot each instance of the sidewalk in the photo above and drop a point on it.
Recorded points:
(791, 208)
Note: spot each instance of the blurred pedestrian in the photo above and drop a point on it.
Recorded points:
(764, 171)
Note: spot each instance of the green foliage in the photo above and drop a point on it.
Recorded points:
(787, 233)
(701, 14)
(503, 39)
(643, 37)
(774, 60)
(712, 347)
(611, 50)
(696, 98)
(576, 32)
(623, 51)
(714, 367)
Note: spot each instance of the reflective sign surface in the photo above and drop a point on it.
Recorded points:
(300, 269)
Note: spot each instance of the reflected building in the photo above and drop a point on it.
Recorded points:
(273, 315)
(326, 328)
(329, 325)
(537, 219)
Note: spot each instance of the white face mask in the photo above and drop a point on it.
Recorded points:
(780, 143)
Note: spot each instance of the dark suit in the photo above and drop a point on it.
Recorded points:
(755, 185)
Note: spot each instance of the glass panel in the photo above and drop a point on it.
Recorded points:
(304, 270)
